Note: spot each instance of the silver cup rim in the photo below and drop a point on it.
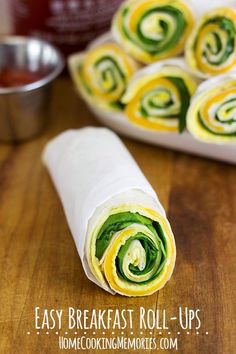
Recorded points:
(6, 39)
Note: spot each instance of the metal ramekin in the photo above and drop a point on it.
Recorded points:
(23, 109)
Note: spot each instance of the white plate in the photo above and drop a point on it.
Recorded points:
(182, 142)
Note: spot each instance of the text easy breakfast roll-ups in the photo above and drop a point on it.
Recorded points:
(118, 224)
(211, 48)
(158, 96)
(151, 30)
(212, 113)
(101, 74)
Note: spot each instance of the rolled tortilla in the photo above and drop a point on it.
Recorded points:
(119, 227)
(212, 113)
(211, 48)
(151, 30)
(158, 96)
(101, 74)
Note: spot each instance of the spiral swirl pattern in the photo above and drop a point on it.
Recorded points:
(160, 101)
(211, 49)
(212, 115)
(151, 30)
(135, 253)
(101, 75)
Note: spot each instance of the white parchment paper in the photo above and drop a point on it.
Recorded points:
(92, 172)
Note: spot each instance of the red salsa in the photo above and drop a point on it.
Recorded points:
(18, 77)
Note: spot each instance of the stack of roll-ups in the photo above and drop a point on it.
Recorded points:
(156, 62)
(120, 229)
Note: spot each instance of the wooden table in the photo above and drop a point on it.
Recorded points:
(39, 265)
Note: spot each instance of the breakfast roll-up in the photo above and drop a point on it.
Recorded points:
(101, 74)
(211, 48)
(212, 113)
(158, 96)
(119, 227)
(151, 30)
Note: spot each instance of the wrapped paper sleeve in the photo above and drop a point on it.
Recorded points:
(118, 224)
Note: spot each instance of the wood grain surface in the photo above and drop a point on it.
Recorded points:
(39, 265)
